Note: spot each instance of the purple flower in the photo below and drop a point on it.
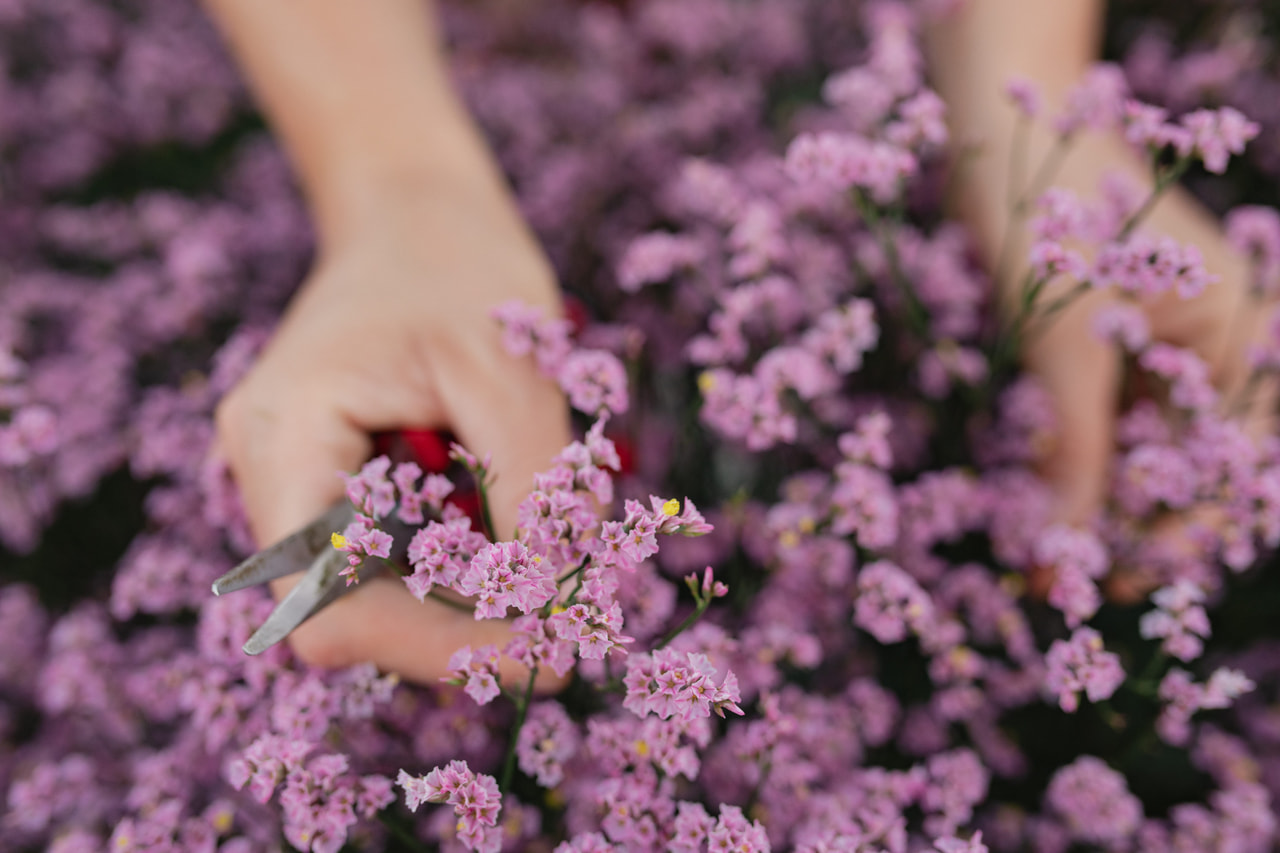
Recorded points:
(547, 741)
(1179, 620)
(1081, 664)
(477, 671)
(668, 683)
(890, 603)
(475, 799)
(507, 574)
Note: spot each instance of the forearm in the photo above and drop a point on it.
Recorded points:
(1053, 44)
(973, 54)
(360, 97)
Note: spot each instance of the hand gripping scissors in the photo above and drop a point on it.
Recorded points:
(312, 548)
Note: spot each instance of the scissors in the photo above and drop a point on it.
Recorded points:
(312, 548)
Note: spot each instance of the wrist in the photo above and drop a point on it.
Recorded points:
(374, 172)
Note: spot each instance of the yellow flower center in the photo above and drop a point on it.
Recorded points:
(671, 507)
(338, 540)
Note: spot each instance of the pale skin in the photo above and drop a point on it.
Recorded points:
(419, 239)
(984, 45)
(973, 56)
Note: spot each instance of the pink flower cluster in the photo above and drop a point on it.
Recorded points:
(791, 336)
(474, 796)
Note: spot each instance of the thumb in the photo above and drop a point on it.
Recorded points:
(285, 453)
(1081, 374)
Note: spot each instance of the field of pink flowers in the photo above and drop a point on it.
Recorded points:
(791, 561)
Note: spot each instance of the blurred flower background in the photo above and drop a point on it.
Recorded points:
(743, 201)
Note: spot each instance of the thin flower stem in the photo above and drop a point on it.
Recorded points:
(686, 624)
(1018, 161)
(1048, 170)
(460, 606)
(400, 570)
(486, 517)
(401, 833)
(581, 566)
(917, 313)
(1165, 179)
(522, 710)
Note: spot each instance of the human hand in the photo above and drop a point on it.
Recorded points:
(393, 329)
(1083, 376)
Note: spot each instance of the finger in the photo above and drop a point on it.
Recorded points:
(385, 624)
(518, 416)
(1081, 374)
(285, 450)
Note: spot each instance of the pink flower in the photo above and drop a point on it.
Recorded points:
(1094, 803)
(656, 257)
(1096, 102)
(668, 683)
(547, 741)
(1025, 96)
(595, 382)
(842, 161)
(1179, 620)
(474, 796)
(477, 671)
(1217, 134)
(507, 574)
(890, 603)
(1081, 664)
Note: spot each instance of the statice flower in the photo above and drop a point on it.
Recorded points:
(957, 782)
(1095, 102)
(1123, 324)
(1148, 267)
(1179, 620)
(655, 258)
(1254, 231)
(594, 380)
(548, 740)
(474, 796)
(1077, 559)
(1214, 135)
(732, 831)
(1081, 664)
(265, 763)
(526, 330)
(890, 603)
(1094, 803)
(506, 575)
(951, 844)
(322, 801)
(441, 552)
(671, 684)
(1183, 697)
(842, 161)
(477, 672)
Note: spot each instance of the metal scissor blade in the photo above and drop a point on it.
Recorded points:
(318, 587)
(289, 554)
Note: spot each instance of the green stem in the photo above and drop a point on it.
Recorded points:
(683, 626)
(1048, 170)
(1164, 179)
(581, 566)
(401, 833)
(917, 313)
(486, 517)
(460, 606)
(522, 710)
